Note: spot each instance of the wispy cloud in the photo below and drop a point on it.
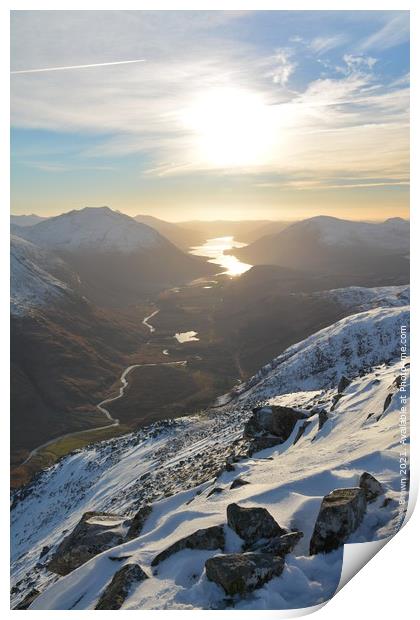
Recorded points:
(395, 31)
(321, 45)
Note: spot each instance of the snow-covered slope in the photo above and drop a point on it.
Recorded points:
(32, 283)
(362, 298)
(26, 220)
(94, 228)
(173, 465)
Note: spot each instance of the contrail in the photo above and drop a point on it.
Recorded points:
(99, 64)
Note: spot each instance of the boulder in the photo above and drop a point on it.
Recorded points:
(343, 384)
(215, 491)
(340, 514)
(262, 443)
(253, 524)
(28, 599)
(275, 420)
(138, 521)
(120, 585)
(95, 532)
(387, 401)
(371, 487)
(207, 538)
(322, 418)
(302, 429)
(239, 482)
(279, 545)
(239, 573)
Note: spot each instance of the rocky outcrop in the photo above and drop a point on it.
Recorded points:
(95, 532)
(279, 545)
(343, 384)
(372, 488)
(340, 514)
(207, 538)
(27, 601)
(120, 586)
(301, 430)
(253, 524)
(322, 418)
(138, 521)
(239, 573)
(274, 420)
(238, 482)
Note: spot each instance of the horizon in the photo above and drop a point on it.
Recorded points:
(211, 115)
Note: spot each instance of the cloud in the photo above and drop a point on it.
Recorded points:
(321, 45)
(395, 31)
(359, 62)
(284, 67)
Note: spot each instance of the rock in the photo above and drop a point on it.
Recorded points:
(253, 524)
(343, 384)
(262, 443)
(119, 588)
(387, 401)
(28, 599)
(371, 487)
(275, 420)
(322, 418)
(340, 514)
(216, 491)
(95, 532)
(207, 538)
(44, 551)
(301, 430)
(279, 545)
(239, 573)
(138, 521)
(335, 400)
(238, 482)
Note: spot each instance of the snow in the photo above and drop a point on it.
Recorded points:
(392, 235)
(32, 285)
(362, 298)
(94, 228)
(289, 480)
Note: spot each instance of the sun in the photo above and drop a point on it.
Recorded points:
(231, 127)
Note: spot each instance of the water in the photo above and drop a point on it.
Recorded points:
(217, 251)
(186, 336)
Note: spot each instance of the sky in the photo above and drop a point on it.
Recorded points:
(223, 114)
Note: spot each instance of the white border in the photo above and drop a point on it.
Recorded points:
(386, 586)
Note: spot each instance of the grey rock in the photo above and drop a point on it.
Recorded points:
(335, 400)
(239, 482)
(279, 545)
(28, 599)
(253, 524)
(239, 573)
(387, 401)
(301, 430)
(44, 551)
(207, 538)
(322, 418)
(371, 487)
(275, 420)
(343, 384)
(340, 514)
(119, 588)
(262, 443)
(215, 491)
(95, 532)
(138, 521)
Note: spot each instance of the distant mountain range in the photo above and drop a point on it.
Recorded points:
(328, 245)
(26, 220)
(117, 259)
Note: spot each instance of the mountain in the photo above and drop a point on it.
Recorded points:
(117, 259)
(332, 246)
(26, 220)
(65, 351)
(183, 238)
(184, 474)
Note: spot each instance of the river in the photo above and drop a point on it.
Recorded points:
(217, 252)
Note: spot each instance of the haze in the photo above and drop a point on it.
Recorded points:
(229, 115)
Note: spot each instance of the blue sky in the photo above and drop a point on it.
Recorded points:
(278, 114)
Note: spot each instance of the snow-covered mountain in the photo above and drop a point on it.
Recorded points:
(185, 469)
(335, 246)
(26, 220)
(116, 258)
(33, 283)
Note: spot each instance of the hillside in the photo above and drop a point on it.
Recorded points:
(337, 247)
(183, 238)
(180, 468)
